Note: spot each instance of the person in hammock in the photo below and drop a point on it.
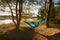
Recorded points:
(34, 23)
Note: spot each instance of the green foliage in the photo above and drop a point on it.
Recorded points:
(6, 0)
(9, 1)
(55, 15)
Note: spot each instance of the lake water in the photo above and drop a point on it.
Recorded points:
(6, 21)
(8, 13)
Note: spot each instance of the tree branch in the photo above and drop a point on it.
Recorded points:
(11, 13)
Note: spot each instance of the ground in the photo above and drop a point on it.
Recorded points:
(25, 32)
(8, 32)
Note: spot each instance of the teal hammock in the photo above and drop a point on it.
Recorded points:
(34, 25)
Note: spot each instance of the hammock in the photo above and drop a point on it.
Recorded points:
(33, 25)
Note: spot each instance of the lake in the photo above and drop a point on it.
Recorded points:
(6, 21)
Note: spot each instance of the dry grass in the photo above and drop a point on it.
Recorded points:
(8, 32)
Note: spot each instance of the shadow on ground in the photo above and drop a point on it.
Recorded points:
(54, 37)
(26, 34)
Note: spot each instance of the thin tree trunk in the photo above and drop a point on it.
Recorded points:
(18, 15)
(17, 26)
(20, 10)
(11, 13)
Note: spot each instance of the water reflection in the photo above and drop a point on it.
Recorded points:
(6, 21)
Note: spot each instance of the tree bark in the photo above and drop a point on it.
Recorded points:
(18, 15)
(48, 13)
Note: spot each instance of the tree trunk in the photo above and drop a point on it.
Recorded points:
(48, 13)
(18, 15)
